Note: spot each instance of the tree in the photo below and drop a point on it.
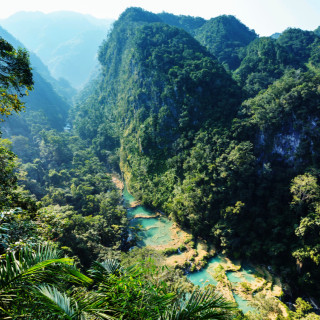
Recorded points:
(15, 78)
(7, 175)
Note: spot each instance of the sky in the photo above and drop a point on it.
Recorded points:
(264, 16)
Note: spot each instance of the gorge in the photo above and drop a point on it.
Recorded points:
(215, 132)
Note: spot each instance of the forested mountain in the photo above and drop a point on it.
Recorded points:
(37, 279)
(205, 121)
(174, 89)
(59, 170)
(188, 23)
(224, 36)
(275, 35)
(67, 42)
(190, 145)
(266, 59)
(45, 105)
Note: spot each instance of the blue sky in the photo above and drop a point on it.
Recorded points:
(264, 16)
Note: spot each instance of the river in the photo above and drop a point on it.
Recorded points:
(160, 233)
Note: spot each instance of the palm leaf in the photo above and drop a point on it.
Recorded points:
(56, 303)
(80, 306)
(201, 305)
(28, 265)
(101, 271)
(74, 275)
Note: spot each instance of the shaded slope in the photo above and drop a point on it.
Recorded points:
(61, 86)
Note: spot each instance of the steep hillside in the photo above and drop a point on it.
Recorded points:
(221, 134)
(283, 125)
(67, 42)
(159, 88)
(61, 86)
(223, 36)
(299, 44)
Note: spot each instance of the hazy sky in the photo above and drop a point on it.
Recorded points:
(265, 16)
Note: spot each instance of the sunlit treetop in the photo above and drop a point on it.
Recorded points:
(15, 78)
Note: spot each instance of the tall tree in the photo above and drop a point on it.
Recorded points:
(15, 77)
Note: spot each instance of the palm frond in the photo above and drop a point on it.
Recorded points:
(56, 303)
(94, 304)
(77, 306)
(201, 305)
(28, 264)
(103, 270)
(72, 274)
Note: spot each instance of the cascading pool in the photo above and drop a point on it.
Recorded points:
(157, 231)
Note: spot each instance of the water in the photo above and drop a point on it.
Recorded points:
(202, 277)
(217, 260)
(243, 304)
(157, 231)
(128, 198)
(245, 275)
(141, 211)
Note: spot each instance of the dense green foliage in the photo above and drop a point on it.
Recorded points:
(15, 78)
(61, 86)
(37, 283)
(188, 145)
(266, 59)
(233, 156)
(46, 107)
(188, 23)
(40, 284)
(78, 205)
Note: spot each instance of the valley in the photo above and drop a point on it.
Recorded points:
(204, 266)
(214, 131)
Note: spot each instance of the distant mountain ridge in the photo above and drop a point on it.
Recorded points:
(49, 97)
(67, 42)
(223, 36)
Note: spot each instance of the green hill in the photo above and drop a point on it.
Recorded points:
(224, 36)
(159, 87)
